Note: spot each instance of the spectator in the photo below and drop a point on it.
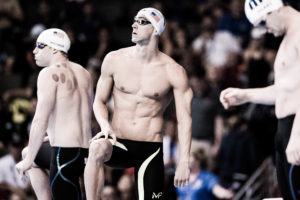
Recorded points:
(10, 181)
(237, 157)
(126, 187)
(203, 184)
(109, 193)
(8, 78)
(235, 20)
(206, 120)
(214, 46)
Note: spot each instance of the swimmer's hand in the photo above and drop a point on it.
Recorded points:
(23, 166)
(106, 134)
(293, 150)
(233, 97)
(182, 174)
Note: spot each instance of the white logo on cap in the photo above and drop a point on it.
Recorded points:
(253, 3)
(60, 35)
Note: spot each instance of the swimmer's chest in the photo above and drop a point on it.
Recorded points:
(287, 58)
(287, 66)
(151, 81)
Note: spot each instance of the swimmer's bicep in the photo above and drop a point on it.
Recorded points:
(105, 82)
(46, 93)
(107, 65)
(178, 78)
(181, 90)
(180, 83)
(104, 87)
(183, 99)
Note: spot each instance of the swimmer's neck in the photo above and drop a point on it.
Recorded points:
(146, 50)
(58, 58)
(290, 18)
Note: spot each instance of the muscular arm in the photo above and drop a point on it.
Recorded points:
(266, 95)
(235, 96)
(103, 92)
(183, 97)
(46, 101)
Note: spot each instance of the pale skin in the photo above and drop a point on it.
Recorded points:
(63, 111)
(285, 93)
(142, 81)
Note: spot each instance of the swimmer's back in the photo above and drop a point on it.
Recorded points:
(69, 123)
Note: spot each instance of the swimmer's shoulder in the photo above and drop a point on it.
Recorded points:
(169, 63)
(114, 59)
(120, 53)
(82, 71)
(48, 75)
(175, 72)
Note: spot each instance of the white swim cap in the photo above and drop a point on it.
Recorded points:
(155, 17)
(256, 10)
(55, 38)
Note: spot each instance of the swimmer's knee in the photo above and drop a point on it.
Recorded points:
(99, 150)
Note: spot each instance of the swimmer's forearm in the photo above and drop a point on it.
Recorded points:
(184, 117)
(101, 114)
(184, 137)
(36, 137)
(266, 95)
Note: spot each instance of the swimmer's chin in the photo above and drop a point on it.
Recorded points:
(40, 64)
(278, 34)
(133, 40)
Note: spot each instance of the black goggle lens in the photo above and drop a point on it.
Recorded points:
(141, 21)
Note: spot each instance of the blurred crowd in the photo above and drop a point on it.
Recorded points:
(211, 39)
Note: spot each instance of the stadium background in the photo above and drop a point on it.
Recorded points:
(212, 39)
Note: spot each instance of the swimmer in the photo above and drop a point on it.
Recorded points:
(142, 82)
(280, 20)
(63, 111)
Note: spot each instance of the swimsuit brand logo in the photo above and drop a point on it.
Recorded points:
(157, 196)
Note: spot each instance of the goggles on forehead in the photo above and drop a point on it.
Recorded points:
(141, 21)
(40, 45)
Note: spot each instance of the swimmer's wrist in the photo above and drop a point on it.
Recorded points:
(246, 95)
(106, 128)
(183, 162)
(28, 160)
